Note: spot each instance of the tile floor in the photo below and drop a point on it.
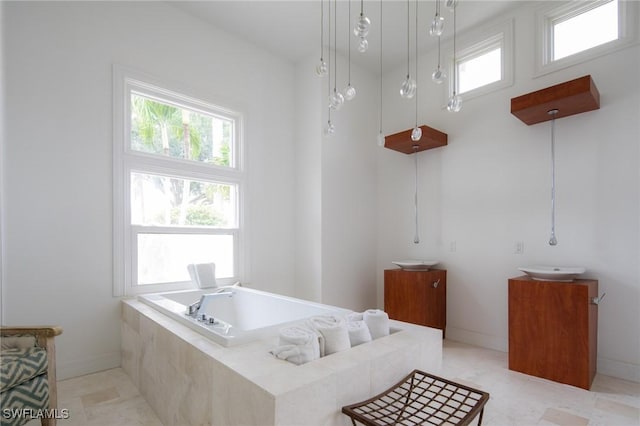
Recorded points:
(109, 397)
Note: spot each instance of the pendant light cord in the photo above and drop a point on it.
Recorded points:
(335, 44)
(381, 67)
(349, 42)
(329, 65)
(417, 88)
(439, 37)
(416, 237)
(329, 55)
(321, 30)
(408, 25)
(552, 240)
(455, 67)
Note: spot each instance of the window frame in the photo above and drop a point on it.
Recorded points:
(548, 15)
(127, 160)
(476, 44)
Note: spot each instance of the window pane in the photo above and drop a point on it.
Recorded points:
(163, 258)
(168, 201)
(176, 132)
(589, 29)
(480, 70)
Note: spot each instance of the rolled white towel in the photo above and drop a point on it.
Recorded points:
(355, 316)
(358, 332)
(333, 331)
(297, 344)
(377, 321)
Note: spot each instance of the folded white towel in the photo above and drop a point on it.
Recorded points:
(355, 316)
(377, 321)
(297, 345)
(333, 332)
(358, 332)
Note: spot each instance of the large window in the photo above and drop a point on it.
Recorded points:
(178, 186)
(577, 31)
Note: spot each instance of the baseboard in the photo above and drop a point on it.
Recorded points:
(607, 367)
(80, 367)
(618, 369)
(477, 339)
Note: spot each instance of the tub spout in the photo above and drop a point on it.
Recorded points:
(192, 309)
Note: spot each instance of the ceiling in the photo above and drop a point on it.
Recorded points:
(291, 29)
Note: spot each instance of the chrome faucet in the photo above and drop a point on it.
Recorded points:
(193, 310)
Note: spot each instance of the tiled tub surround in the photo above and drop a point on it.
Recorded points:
(189, 379)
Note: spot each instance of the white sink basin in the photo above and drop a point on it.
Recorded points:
(415, 265)
(553, 273)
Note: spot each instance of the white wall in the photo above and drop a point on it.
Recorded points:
(349, 211)
(57, 192)
(308, 195)
(490, 188)
(343, 208)
(2, 149)
(336, 197)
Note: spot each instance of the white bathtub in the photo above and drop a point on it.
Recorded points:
(246, 315)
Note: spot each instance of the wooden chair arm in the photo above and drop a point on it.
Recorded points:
(45, 335)
(39, 331)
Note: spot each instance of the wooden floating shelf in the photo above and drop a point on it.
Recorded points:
(569, 98)
(402, 142)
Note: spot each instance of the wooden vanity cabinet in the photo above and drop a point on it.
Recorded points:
(553, 329)
(418, 297)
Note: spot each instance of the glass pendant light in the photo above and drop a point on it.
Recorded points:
(380, 134)
(437, 24)
(335, 99)
(329, 129)
(321, 68)
(408, 86)
(349, 91)
(455, 101)
(361, 30)
(363, 45)
(416, 133)
(553, 240)
(438, 75)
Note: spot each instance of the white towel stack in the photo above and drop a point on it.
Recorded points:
(358, 332)
(333, 333)
(355, 316)
(297, 345)
(377, 321)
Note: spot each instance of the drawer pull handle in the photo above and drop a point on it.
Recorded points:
(436, 283)
(597, 300)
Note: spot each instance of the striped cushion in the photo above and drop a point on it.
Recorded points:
(20, 365)
(30, 395)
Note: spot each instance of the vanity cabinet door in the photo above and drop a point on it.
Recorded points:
(553, 329)
(418, 297)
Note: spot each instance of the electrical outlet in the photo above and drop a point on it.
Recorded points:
(518, 248)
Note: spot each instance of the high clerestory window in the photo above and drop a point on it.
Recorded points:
(578, 31)
(178, 185)
(483, 62)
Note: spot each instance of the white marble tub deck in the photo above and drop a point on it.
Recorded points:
(189, 379)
